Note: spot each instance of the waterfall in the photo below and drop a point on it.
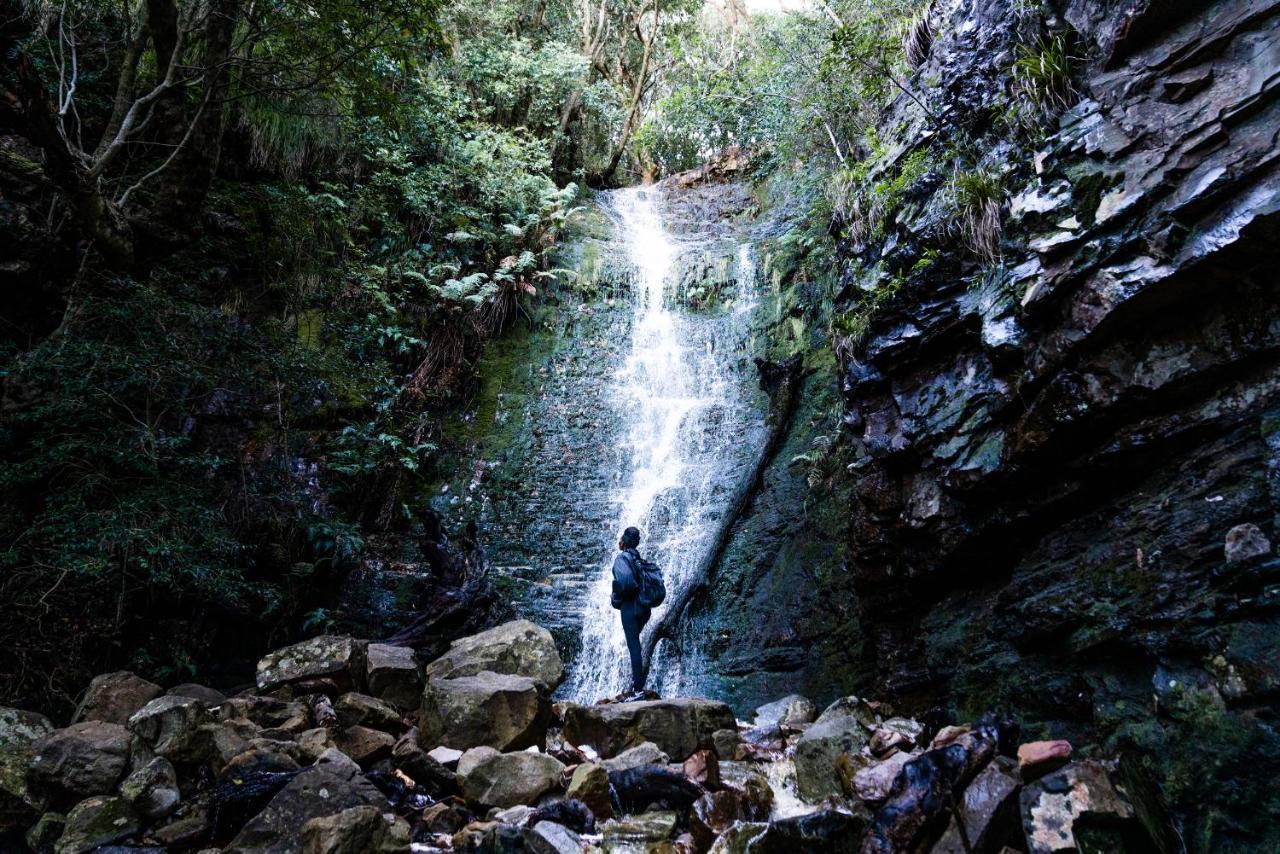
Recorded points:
(689, 427)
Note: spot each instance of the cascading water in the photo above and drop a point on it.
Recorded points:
(689, 432)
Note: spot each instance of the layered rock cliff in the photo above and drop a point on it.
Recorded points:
(1063, 442)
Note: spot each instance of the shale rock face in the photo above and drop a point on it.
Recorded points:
(1064, 459)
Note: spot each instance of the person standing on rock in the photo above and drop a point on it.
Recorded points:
(626, 598)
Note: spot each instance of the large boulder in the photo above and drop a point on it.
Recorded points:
(392, 675)
(590, 784)
(358, 830)
(96, 821)
(840, 730)
(497, 779)
(19, 732)
(678, 726)
(88, 758)
(1077, 807)
(170, 725)
(497, 710)
(320, 791)
(336, 658)
(519, 648)
(152, 790)
(114, 697)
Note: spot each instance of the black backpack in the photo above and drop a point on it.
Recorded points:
(652, 589)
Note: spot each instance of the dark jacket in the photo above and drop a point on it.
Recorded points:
(626, 582)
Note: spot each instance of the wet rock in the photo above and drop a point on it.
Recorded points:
(43, 836)
(19, 732)
(518, 648)
(790, 710)
(361, 709)
(924, 790)
(754, 793)
(590, 784)
(208, 696)
(647, 753)
(1077, 807)
(1037, 758)
(677, 726)
(649, 827)
(841, 730)
(986, 811)
(641, 788)
(571, 813)
(873, 783)
(703, 768)
(317, 792)
(170, 725)
(152, 790)
(496, 710)
(1246, 542)
(357, 830)
(737, 838)
(88, 758)
(551, 838)
(364, 745)
(114, 697)
(497, 779)
(96, 821)
(822, 832)
(713, 814)
(392, 675)
(338, 659)
(766, 738)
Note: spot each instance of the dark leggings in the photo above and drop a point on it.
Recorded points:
(634, 618)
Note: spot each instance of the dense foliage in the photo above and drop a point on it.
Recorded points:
(260, 250)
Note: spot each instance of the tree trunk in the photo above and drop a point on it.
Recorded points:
(191, 175)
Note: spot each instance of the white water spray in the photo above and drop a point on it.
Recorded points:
(685, 425)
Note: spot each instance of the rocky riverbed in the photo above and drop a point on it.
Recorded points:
(343, 745)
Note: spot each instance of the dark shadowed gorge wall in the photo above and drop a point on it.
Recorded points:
(1054, 439)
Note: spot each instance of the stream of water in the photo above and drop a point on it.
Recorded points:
(690, 427)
